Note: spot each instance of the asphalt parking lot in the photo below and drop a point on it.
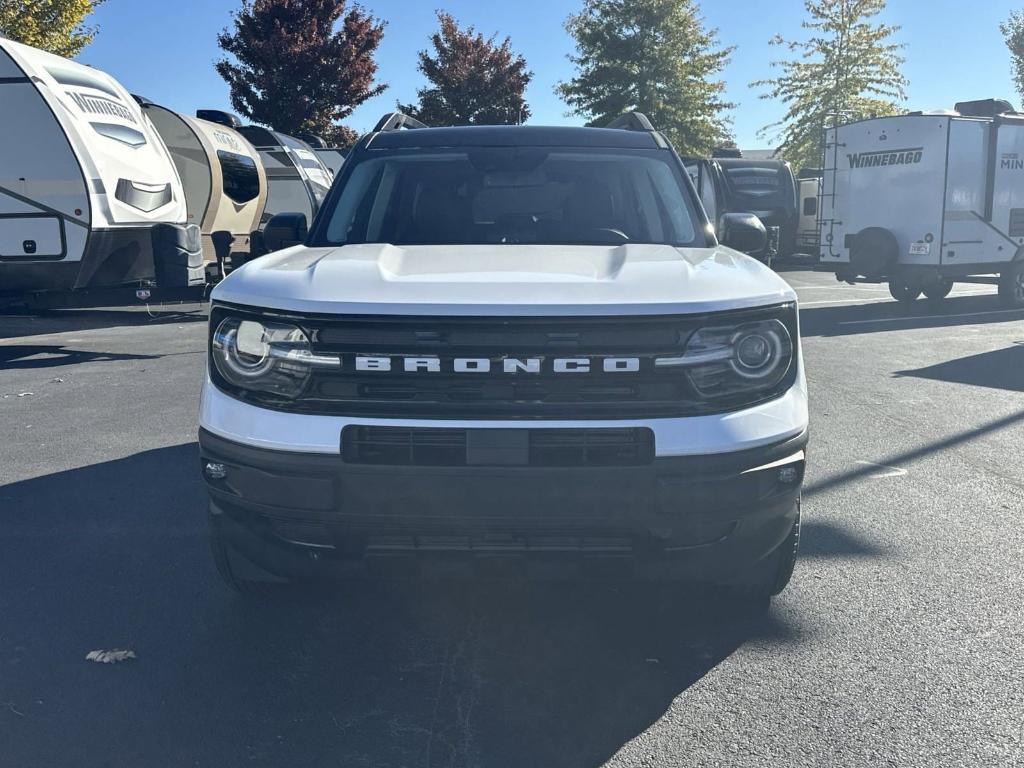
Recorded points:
(900, 641)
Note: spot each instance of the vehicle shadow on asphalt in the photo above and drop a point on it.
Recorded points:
(826, 539)
(38, 323)
(905, 458)
(875, 317)
(115, 556)
(32, 356)
(998, 369)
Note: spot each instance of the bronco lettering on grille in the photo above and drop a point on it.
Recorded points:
(565, 365)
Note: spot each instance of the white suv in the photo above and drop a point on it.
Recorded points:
(514, 345)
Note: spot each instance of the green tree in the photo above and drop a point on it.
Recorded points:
(652, 56)
(473, 80)
(293, 71)
(848, 69)
(1013, 33)
(57, 26)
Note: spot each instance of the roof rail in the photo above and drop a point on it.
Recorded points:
(631, 121)
(394, 121)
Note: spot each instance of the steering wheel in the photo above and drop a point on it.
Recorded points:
(609, 234)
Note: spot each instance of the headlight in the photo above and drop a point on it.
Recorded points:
(265, 356)
(733, 359)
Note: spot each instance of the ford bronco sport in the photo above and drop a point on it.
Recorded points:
(516, 344)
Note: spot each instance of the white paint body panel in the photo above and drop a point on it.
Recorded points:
(496, 280)
(761, 425)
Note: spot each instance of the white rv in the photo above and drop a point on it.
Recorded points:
(923, 200)
(809, 189)
(223, 177)
(89, 196)
(297, 180)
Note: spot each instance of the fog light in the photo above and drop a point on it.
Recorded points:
(215, 471)
(788, 474)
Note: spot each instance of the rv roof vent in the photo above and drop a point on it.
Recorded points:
(983, 107)
(142, 101)
(809, 173)
(219, 117)
(726, 152)
(313, 140)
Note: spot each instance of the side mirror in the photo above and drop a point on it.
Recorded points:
(743, 232)
(284, 230)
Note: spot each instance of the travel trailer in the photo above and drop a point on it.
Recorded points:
(809, 184)
(332, 157)
(89, 196)
(925, 200)
(223, 178)
(297, 181)
(767, 189)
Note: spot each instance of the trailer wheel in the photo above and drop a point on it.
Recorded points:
(1011, 286)
(904, 291)
(936, 290)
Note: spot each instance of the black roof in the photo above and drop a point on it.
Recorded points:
(512, 135)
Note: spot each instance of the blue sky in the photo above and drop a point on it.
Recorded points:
(165, 50)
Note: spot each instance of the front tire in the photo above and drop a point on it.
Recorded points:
(903, 291)
(1011, 286)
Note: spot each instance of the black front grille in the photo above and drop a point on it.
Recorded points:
(444, 447)
(544, 393)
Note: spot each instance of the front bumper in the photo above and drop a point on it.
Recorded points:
(705, 517)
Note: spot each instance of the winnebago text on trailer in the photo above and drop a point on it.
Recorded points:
(923, 200)
(89, 196)
(223, 177)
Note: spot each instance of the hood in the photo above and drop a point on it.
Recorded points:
(538, 280)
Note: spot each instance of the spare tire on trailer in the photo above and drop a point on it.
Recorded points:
(874, 252)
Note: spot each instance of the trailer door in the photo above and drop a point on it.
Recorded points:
(1006, 207)
(966, 237)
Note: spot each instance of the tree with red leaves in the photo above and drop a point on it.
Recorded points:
(473, 80)
(293, 72)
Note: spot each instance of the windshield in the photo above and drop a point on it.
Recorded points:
(511, 195)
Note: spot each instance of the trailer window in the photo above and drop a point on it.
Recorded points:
(810, 206)
(241, 178)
